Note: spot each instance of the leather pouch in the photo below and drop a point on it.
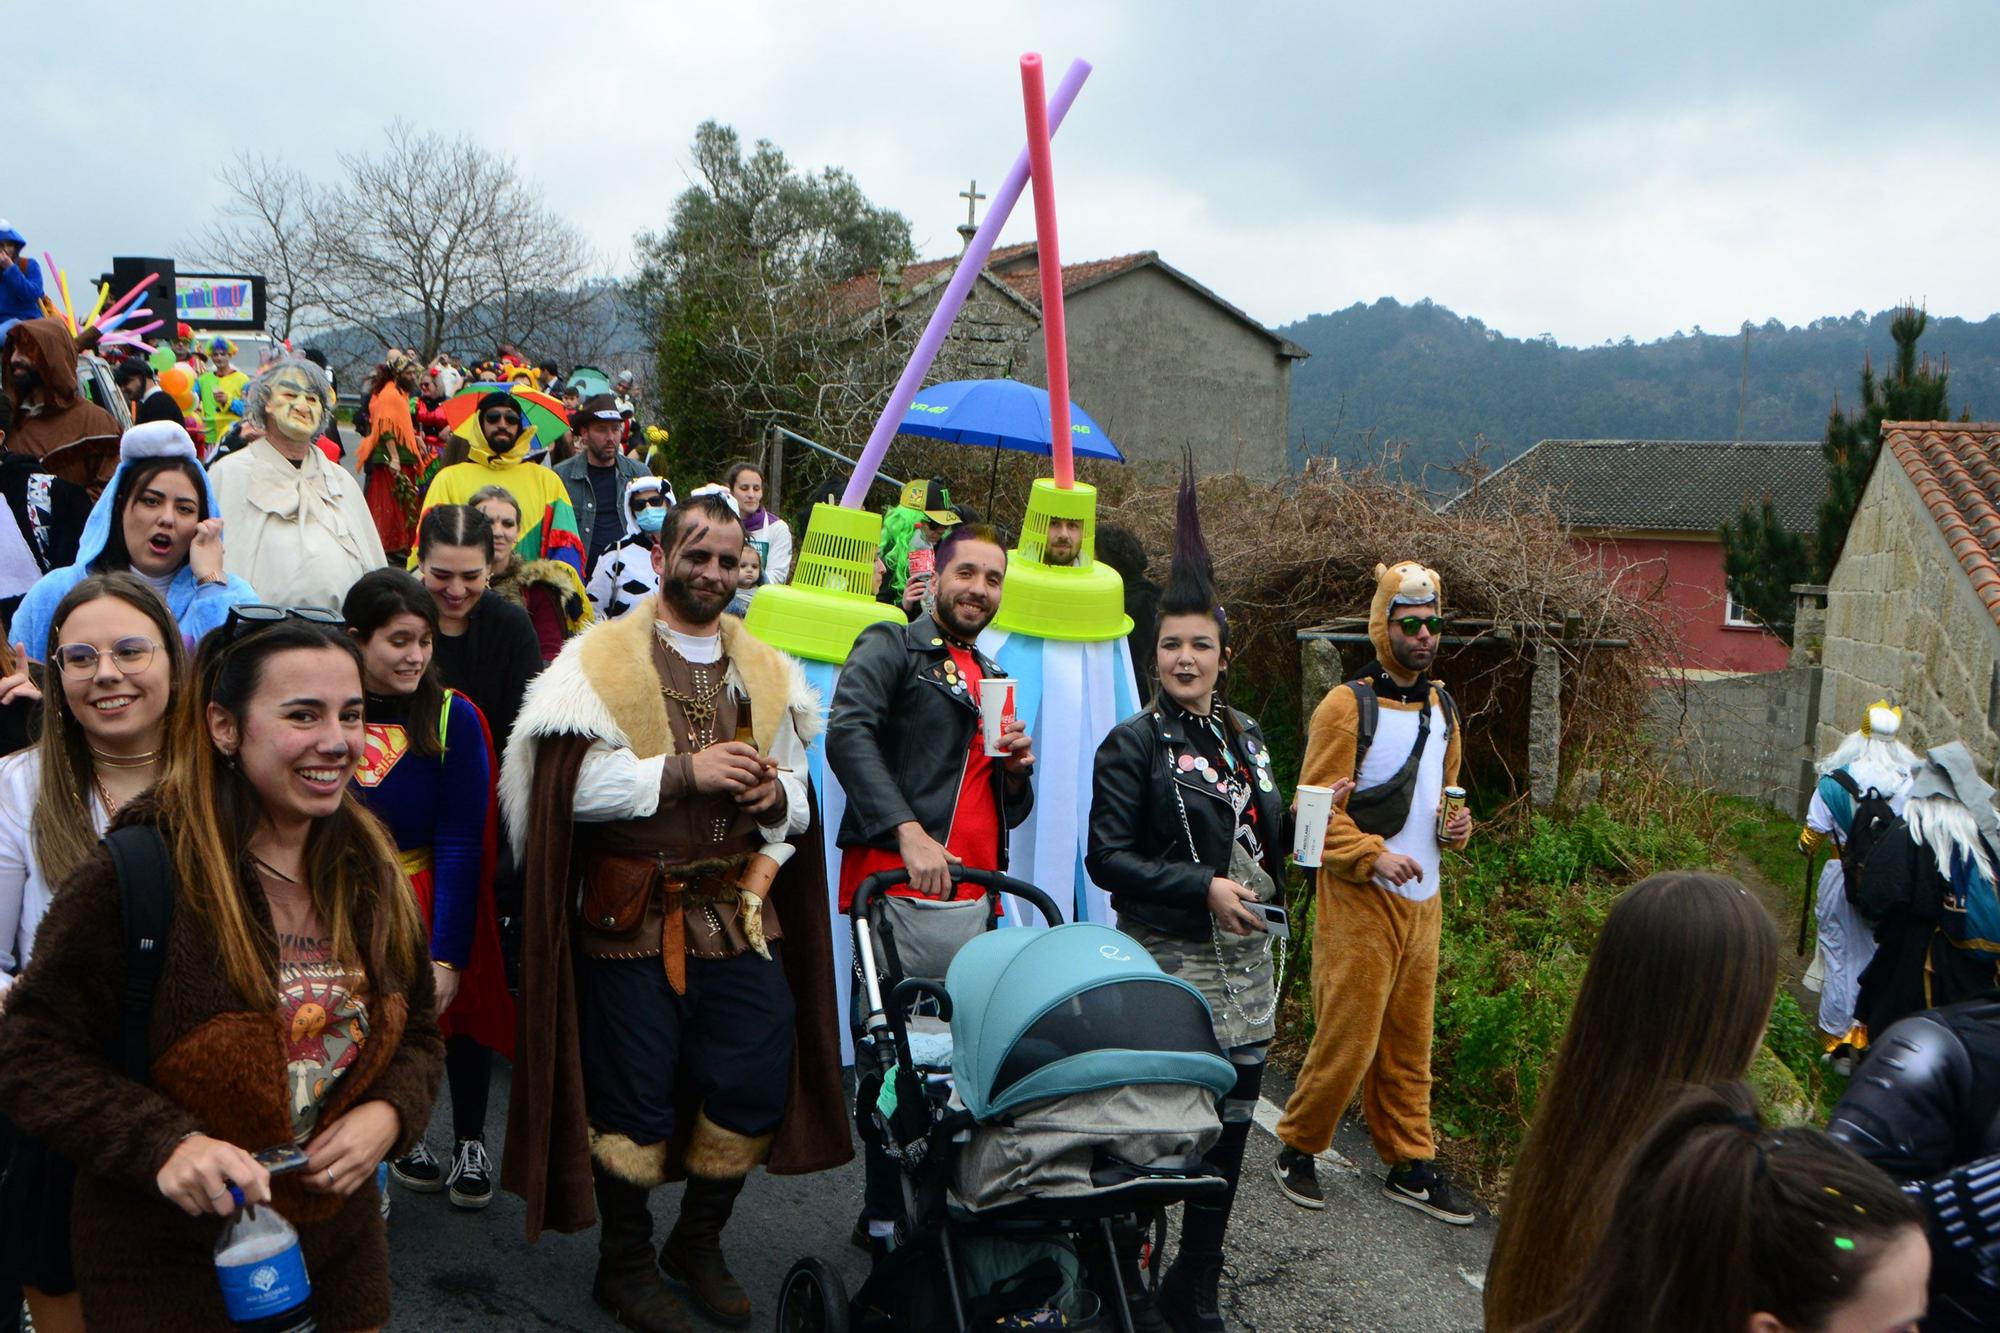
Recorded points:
(616, 895)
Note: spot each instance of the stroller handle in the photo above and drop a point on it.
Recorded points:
(992, 881)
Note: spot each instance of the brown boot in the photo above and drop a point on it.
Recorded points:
(627, 1284)
(693, 1252)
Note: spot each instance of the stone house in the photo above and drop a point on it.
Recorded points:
(1158, 359)
(1913, 604)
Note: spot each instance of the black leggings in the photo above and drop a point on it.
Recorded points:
(1203, 1225)
(468, 1071)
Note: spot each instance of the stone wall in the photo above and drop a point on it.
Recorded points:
(1903, 623)
(1745, 735)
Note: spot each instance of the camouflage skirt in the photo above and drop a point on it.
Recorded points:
(1234, 973)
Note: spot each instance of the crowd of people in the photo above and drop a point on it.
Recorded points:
(446, 751)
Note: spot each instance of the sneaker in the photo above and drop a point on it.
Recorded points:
(1420, 1185)
(471, 1178)
(418, 1170)
(1298, 1178)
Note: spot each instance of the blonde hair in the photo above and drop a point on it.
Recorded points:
(64, 833)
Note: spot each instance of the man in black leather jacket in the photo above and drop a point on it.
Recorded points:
(903, 733)
(1925, 1107)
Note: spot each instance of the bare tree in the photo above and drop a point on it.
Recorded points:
(431, 240)
(438, 238)
(269, 227)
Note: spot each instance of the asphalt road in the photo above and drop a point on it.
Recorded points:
(1363, 1263)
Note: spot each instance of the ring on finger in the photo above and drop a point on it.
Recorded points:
(329, 1177)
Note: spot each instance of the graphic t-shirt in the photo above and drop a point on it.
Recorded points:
(324, 1007)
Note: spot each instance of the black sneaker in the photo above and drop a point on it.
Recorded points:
(1298, 1178)
(418, 1170)
(471, 1178)
(1421, 1186)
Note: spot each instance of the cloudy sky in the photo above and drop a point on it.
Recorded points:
(1588, 170)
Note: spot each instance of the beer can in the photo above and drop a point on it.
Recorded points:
(1454, 801)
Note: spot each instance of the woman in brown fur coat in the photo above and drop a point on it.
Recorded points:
(294, 1004)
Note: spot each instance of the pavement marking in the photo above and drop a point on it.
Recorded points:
(1266, 1115)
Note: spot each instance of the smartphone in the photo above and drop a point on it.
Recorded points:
(281, 1159)
(1276, 923)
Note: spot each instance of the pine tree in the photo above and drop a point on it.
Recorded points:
(1915, 392)
(1761, 560)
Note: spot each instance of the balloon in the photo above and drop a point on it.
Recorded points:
(162, 359)
(179, 386)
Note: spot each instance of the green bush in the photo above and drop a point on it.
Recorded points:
(1522, 908)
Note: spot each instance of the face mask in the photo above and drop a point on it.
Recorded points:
(652, 519)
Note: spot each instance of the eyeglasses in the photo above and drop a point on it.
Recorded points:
(500, 416)
(1411, 624)
(650, 502)
(130, 656)
(251, 616)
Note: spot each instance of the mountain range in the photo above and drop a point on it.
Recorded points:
(1420, 388)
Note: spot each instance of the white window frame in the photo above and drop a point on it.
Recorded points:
(1733, 614)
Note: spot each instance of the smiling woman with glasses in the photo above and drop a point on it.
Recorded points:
(103, 742)
(293, 1005)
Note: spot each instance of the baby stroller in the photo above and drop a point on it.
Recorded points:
(1053, 1090)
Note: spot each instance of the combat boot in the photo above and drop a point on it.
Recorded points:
(693, 1257)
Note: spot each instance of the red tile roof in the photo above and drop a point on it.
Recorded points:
(1954, 467)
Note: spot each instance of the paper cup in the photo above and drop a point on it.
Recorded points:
(1309, 832)
(996, 710)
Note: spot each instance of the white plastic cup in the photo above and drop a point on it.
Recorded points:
(1309, 831)
(996, 710)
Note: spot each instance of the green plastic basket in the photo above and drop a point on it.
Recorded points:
(830, 599)
(1080, 603)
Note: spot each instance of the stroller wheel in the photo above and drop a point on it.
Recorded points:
(813, 1299)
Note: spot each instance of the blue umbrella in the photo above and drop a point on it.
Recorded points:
(1002, 414)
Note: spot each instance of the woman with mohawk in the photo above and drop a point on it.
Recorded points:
(1868, 762)
(1188, 833)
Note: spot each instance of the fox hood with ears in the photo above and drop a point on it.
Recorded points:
(1405, 582)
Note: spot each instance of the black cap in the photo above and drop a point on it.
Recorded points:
(599, 405)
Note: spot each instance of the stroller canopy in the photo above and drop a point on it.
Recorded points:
(1038, 1014)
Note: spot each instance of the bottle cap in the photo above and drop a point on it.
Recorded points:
(237, 1195)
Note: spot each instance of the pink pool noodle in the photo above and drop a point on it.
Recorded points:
(955, 292)
(1055, 340)
(126, 299)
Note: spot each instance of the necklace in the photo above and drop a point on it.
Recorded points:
(104, 795)
(271, 869)
(109, 760)
(700, 706)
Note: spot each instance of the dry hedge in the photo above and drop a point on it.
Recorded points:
(1294, 554)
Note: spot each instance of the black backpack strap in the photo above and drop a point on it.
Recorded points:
(1367, 711)
(146, 893)
(1847, 782)
(1449, 706)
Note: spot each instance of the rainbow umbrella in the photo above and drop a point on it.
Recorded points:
(541, 411)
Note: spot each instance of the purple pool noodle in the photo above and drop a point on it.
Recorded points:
(955, 292)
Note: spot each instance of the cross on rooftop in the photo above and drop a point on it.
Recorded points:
(972, 196)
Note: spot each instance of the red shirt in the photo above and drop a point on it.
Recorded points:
(974, 837)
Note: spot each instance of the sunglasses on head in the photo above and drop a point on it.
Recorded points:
(253, 616)
(1411, 624)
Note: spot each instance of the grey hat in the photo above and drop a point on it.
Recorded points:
(1949, 770)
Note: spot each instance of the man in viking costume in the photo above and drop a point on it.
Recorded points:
(676, 978)
(1867, 764)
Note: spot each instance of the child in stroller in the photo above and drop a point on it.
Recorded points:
(1051, 1088)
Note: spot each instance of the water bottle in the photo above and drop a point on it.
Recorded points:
(262, 1273)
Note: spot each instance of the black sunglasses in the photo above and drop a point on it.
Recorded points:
(500, 416)
(252, 616)
(1411, 624)
(650, 502)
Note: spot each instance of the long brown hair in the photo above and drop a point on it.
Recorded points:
(209, 811)
(64, 833)
(1715, 1219)
(1678, 992)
